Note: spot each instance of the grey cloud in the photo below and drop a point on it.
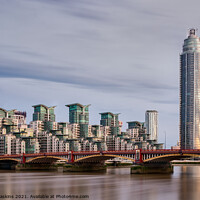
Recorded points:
(87, 14)
(155, 14)
(28, 53)
(75, 75)
(124, 54)
(5, 46)
(166, 101)
(157, 85)
(67, 74)
(78, 8)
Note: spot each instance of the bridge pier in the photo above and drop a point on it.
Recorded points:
(152, 168)
(33, 166)
(7, 166)
(87, 167)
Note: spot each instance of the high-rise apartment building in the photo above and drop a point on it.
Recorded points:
(190, 92)
(43, 118)
(43, 113)
(151, 121)
(109, 119)
(11, 120)
(112, 121)
(78, 114)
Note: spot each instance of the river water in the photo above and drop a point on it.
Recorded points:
(115, 184)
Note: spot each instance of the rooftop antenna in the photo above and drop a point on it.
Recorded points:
(192, 31)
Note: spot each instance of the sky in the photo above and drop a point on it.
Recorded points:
(119, 56)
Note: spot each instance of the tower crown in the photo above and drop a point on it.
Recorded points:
(192, 42)
(192, 32)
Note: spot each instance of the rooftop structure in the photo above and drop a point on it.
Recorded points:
(43, 113)
(78, 113)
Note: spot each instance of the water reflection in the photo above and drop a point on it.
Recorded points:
(189, 184)
(116, 184)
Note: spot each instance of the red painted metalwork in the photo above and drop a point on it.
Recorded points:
(141, 160)
(86, 153)
(24, 159)
(72, 157)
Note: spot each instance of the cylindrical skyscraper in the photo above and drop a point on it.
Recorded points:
(190, 92)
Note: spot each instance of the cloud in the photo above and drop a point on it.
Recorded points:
(72, 74)
(121, 56)
(166, 102)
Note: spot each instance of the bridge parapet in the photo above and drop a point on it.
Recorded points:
(138, 156)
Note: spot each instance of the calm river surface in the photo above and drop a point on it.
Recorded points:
(115, 184)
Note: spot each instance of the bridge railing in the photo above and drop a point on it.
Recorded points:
(163, 151)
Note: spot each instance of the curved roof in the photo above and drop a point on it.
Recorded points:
(43, 106)
(78, 104)
(3, 110)
(109, 113)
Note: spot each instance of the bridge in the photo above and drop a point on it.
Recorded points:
(138, 156)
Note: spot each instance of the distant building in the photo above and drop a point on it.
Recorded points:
(11, 121)
(113, 143)
(79, 114)
(96, 131)
(31, 145)
(137, 131)
(75, 131)
(151, 122)
(111, 120)
(43, 113)
(45, 141)
(44, 134)
(177, 146)
(6, 113)
(43, 118)
(9, 144)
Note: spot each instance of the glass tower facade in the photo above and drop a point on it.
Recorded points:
(78, 113)
(43, 113)
(190, 92)
(112, 120)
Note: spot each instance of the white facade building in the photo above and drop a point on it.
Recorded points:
(151, 122)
